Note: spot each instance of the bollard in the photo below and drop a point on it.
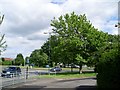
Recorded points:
(27, 72)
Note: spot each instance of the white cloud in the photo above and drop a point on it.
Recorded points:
(26, 20)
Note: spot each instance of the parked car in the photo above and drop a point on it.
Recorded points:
(72, 65)
(11, 71)
(76, 66)
(56, 69)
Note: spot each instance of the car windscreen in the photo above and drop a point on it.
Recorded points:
(11, 68)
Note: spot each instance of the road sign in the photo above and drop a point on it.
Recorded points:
(27, 61)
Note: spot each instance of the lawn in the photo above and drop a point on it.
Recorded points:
(68, 69)
(67, 75)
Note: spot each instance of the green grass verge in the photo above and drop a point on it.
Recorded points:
(67, 75)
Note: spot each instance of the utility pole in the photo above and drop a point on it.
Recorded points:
(118, 25)
(27, 68)
(49, 33)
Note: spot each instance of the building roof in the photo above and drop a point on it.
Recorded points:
(8, 59)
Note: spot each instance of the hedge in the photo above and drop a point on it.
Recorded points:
(6, 63)
(109, 70)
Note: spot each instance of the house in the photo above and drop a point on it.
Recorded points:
(8, 59)
(5, 60)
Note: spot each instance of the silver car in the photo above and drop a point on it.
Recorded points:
(56, 69)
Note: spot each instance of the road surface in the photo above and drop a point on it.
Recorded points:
(68, 84)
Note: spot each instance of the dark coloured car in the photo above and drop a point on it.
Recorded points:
(11, 71)
(56, 69)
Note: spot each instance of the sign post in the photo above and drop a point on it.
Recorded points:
(27, 68)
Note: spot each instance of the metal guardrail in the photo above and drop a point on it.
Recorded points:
(14, 79)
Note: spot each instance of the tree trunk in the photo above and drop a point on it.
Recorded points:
(71, 69)
(64, 65)
(55, 64)
(80, 69)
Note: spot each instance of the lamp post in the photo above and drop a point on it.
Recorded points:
(27, 68)
(49, 48)
(118, 25)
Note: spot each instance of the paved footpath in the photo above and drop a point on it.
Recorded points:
(68, 84)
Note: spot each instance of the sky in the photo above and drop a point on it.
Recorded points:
(26, 20)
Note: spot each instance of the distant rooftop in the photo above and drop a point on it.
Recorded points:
(8, 59)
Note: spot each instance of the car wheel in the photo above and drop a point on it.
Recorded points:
(11, 76)
(19, 74)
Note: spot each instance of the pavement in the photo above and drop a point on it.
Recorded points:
(60, 84)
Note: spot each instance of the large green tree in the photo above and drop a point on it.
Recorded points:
(78, 38)
(19, 60)
(39, 58)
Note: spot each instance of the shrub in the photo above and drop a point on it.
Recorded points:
(7, 63)
(109, 70)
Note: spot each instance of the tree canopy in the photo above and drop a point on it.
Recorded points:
(39, 58)
(76, 41)
(19, 60)
(77, 37)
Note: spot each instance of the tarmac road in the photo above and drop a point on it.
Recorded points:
(68, 84)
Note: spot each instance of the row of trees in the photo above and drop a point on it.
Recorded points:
(77, 41)
(74, 41)
(37, 58)
(19, 60)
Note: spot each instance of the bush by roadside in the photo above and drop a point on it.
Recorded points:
(109, 70)
(6, 63)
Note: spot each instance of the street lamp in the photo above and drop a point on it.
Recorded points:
(118, 25)
(27, 61)
(49, 47)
